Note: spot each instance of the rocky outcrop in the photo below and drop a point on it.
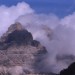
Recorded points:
(69, 60)
(15, 34)
(13, 27)
(19, 53)
(69, 71)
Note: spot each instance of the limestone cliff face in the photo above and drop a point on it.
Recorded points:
(19, 53)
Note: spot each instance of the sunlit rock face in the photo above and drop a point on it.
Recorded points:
(19, 53)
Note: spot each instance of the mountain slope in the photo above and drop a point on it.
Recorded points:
(19, 53)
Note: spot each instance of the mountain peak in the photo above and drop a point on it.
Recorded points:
(16, 26)
(18, 49)
(16, 33)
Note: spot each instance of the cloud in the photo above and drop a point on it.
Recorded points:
(8, 15)
(57, 35)
(69, 21)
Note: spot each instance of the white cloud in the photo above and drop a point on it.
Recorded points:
(69, 21)
(8, 15)
(63, 36)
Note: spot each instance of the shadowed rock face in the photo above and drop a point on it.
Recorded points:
(19, 37)
(35, 43)
(16, 34)
(69, 71)
(19, 53)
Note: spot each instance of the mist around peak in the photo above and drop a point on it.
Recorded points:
(56, 34)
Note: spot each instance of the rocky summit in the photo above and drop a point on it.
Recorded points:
(19, 53)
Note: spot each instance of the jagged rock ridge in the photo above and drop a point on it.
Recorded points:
(18, 51)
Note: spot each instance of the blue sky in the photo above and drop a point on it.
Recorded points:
(58, 7)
